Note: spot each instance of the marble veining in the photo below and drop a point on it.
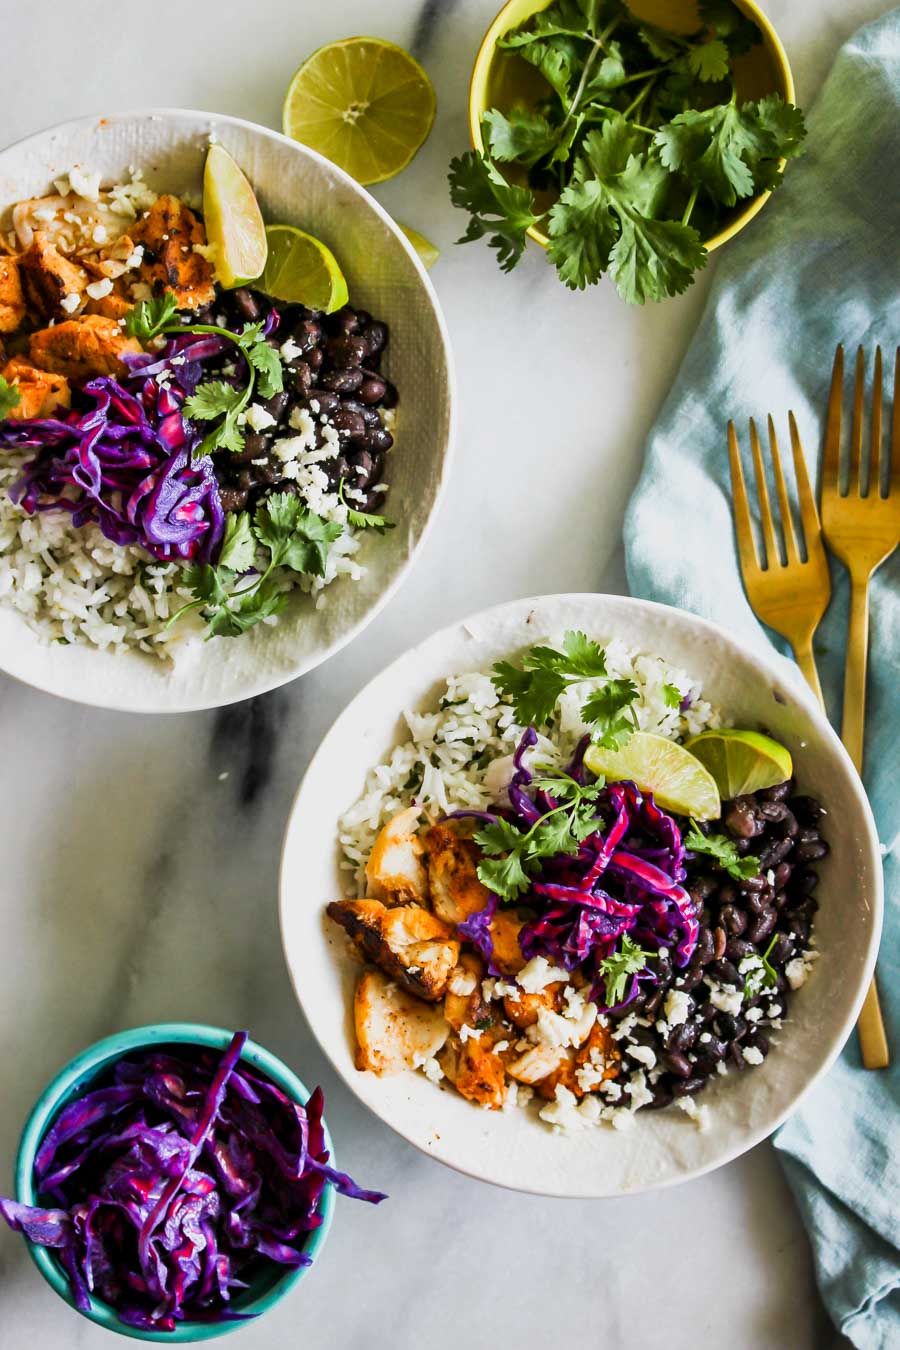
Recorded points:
(141, 854)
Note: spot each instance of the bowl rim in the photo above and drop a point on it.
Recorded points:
(485, 56)
(264, 683)
(767, 668)
(93, 1059)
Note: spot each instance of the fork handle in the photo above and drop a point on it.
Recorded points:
(854, 716)
(870, 1027)
(807, 663)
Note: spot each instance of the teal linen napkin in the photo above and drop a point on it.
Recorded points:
(820, 265)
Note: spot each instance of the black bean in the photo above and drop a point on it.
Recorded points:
(720, 942)
(277, 404)
(805, 881)
(379, 439)
(760, 1040)
(344, 320)
(779, 792)
(323, 403)
(725, 971)
(346, 350)
(315, 359)
(678, 1063)
(705, 951)
(307, 335)
(782, 950)
(348, 425)
(810, 851)
(737, 1057)
(783, 874)
(713, 1049)
(661, 1097)
(233, 499)
(255, 446)
(775, 853)
(373, 502)
(373, 389)
(246, 304)
(688, 1086)
(738, 948)
(651, 1006)
(300, 378)
(390, 397)
(734, 920)
(344, 380)
(800, 928)
(376, 336)
(807, 810)
(740, 818)
(750, 885)
(689, 979)
(682, 1037)
(701, 887)
(763, 926)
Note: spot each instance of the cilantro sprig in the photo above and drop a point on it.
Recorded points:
(215, 401)
(536, 685)
(722, 851)
(513, 856)
(10, 397)
(617, 968)
(640, 146)
(763, 976)
(364, 520)
(283, 528)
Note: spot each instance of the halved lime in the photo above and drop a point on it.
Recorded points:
(234, 223)
(427, 251)
(301, 270)
(363, 103)
(677, 779)
(741, 761)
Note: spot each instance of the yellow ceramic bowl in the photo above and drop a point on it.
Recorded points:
(501, 78)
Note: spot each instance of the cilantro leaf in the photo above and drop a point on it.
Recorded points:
(729, 23)
(505, 876)
(654, 259)
(664, 46)
(522, 135)
(10, 397)
(763, 976)
(208, 583)
(616, 968)
(295, 536)
(671, 695)
(364, 520)
(148, 318)
(729, 150)
(560, 830)
(212, 399)
(238, 551)
(260, 602)
(583, 233)
(498, 209)
(722, 851)
(266, 362)
(580, 656)
(709, 61)
(609, 713)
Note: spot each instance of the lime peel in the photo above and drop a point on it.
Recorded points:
(235, 231)
(741, 761)
(677, 779)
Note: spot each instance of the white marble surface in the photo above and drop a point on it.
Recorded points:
(139, 884)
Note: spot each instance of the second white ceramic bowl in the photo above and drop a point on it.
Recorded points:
(513, 1148)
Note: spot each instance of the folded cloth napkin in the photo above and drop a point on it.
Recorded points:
(819, 266)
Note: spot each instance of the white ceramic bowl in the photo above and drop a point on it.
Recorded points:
(298, 186)
(512, 1148)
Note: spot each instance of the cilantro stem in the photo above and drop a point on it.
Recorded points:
(636, 102)
(599, 45)
(692, 200)
(641, 75)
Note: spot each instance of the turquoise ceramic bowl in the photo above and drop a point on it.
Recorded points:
(75, 1079)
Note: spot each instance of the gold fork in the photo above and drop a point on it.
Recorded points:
(791, 597)
(790, 594)
(862, 527)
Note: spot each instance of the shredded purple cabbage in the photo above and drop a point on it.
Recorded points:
(177, 1182)
(626, 878)
(124, 457)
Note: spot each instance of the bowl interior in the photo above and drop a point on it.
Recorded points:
(76, 1078)
(501, 79)
(513, 1148)
(300, 187)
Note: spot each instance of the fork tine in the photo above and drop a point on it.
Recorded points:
(808, 513)
(855, 473)
(784, 507)
(894, 478)
(773, 556)
(831, 459)
(742, 523)
(877, 450)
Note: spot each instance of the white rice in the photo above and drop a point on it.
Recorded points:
(458, 751)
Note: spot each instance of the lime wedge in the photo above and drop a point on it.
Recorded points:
(363, 103)
(678, 780)
(427, 251)
(301, 270)
(234, 223)
(741, 761)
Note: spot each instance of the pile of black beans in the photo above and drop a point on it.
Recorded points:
(771, 912)
(338, 370)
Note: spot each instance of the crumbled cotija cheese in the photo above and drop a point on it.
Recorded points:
(727, 1000)
(751, 1055)
(677, 1007)
(538, 973)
